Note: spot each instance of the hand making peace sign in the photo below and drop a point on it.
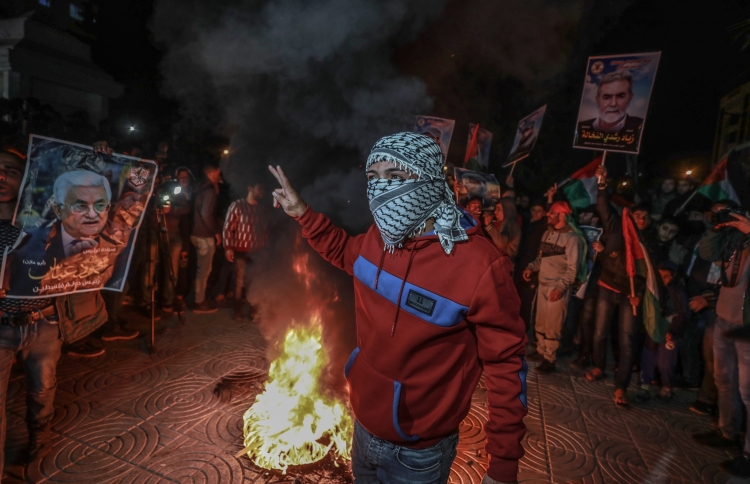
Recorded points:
(286, 197)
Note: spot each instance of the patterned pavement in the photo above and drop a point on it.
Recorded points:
(176, 416)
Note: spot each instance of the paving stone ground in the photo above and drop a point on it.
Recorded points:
(130, 416)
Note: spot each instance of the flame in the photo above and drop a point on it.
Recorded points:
(292, 422)
(300, 267)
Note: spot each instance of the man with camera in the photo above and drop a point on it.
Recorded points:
(727, 243)
(35, 329)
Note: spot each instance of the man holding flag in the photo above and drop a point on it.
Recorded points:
(625, 272)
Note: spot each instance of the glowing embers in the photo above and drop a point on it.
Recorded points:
(293, 422)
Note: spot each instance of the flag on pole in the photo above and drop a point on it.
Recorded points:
(582, 274)
(718, 185)
(637, 262)
(472, 151)
(581, 188)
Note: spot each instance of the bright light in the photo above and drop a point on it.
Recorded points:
(177, 190)
(624, 183)
(689, 172)
(166, 197)
(226, 152)
(132, 128)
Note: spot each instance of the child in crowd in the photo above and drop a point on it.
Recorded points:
(664, 355)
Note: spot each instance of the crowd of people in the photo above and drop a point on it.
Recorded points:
(180, 232)
(578, 299)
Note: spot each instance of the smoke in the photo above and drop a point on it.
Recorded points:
(310, 86)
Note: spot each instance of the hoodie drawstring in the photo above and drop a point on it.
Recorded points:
(412, 253)
(380, 269)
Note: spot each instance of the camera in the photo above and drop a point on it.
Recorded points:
(167, 192)
(722, 216)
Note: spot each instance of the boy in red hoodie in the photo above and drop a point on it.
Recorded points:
(435, 306)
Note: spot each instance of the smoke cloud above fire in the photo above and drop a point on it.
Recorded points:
(311, 86)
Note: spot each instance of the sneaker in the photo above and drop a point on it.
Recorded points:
(167, 308)
(665, 394)
(204, 308)
(621, 398)
(643, 395)
(702, 408)
(178, 305)
(120, 333)
(145, 310)
(716, 439)
(739, 466)
(546, 367)
(85, 349)
(581, 363)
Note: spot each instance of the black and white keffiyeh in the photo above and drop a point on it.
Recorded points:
(401, 207)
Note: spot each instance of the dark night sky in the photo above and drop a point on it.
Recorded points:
(699, 64)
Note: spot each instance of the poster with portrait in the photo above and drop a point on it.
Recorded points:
(526, 135)
(79, 214)
(478, 149)
(439, 129)
(616, 93)
(471, 185)
(593, 234)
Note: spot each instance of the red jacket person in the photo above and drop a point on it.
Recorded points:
(435, 306)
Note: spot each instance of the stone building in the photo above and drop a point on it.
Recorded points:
(40, 57)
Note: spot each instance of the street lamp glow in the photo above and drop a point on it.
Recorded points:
(132, 128)
(226, 152)
(689, 172)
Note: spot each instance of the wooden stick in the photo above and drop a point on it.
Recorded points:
(632, 294)
(682, 207)
(604, 158)
(512, 168)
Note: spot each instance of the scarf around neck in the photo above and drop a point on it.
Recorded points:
(401, 208)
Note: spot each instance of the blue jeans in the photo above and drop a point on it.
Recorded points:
(377, 461)
(38, 346)
(732, 374)
(607, 304)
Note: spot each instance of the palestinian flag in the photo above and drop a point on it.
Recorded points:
(638, 263)
(580, 189)
(718, 186)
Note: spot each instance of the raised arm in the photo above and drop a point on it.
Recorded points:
(607, 215)
(331, 242)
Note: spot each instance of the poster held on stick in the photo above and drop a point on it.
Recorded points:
(439, 129)
(616, 93)
(526, 136)
(473, 184)
(477, 156)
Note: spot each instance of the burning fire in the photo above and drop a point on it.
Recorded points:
(292, 422)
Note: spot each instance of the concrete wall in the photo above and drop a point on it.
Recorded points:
(39, 61)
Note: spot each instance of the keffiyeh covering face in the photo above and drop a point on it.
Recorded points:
(401, 207)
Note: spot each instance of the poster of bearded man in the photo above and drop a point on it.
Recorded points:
(526, 135)
(616, 93)
(79, 212)
(439, 129)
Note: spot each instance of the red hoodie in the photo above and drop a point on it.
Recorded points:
(417, 365)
